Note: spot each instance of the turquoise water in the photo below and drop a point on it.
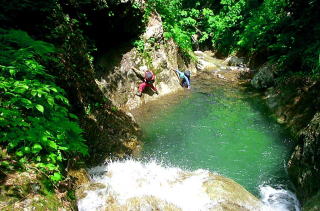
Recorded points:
(217, 127)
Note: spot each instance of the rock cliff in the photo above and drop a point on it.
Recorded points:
(295, 102)
(120, 82)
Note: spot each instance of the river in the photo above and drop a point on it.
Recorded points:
(215, 127)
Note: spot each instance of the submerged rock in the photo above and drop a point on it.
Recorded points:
(230, 195)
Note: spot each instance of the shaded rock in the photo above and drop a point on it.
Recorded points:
(264, 78)
(304, 164)
(80, 176)
(234, 61)
(296, 102)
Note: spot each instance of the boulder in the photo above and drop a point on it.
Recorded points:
(264, 78)
(234, 61)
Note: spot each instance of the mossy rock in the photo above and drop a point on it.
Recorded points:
(313, 204)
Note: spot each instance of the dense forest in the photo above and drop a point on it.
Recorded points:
(45, 45)
(283, 32)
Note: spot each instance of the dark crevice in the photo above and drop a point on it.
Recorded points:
(107, 26)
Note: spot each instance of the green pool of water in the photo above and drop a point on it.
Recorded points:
(220, 128)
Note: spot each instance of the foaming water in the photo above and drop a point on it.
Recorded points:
(278, 199)
(168, 188)
(131, 179)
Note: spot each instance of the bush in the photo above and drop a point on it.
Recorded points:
(35, 122)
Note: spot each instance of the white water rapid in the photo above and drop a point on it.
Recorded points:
(133, 185)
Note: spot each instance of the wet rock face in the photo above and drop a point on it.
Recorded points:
(304, 165)
(120, 83)
(296, 104)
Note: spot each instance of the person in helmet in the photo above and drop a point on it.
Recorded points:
(148, 81)
(184, 78)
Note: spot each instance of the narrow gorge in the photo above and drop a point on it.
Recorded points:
(244, 137)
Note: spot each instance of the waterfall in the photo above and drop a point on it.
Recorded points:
(134, 185)
(278, 199)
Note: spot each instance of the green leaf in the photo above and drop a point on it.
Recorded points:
(56, 177)
(40, 108)
(73, 116)
(12, 72)
(19, 153)
(44, 138)
(59, 158)
(53, 145)
(26, 149)
(36, 148)
(50, 167)
(34, 93)
(4, 164)
(23, 160)
(54, 89)
(21, 88)
(64, 148)
(50, 101)
(26, 102)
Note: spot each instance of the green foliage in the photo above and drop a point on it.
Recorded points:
(139, 44)
(181, 38)
(175, 22)
(226, 21)
(34, 120)
(264, 20)
(286, 32)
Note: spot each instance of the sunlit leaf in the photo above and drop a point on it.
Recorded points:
(36, 148)
(40, 108)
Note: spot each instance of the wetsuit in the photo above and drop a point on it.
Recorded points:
(185, 82)
(148, 81)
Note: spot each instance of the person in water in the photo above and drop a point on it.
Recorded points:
(184, 78)
(148, 81)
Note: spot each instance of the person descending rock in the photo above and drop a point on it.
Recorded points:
(184, 78)
(148, 81)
